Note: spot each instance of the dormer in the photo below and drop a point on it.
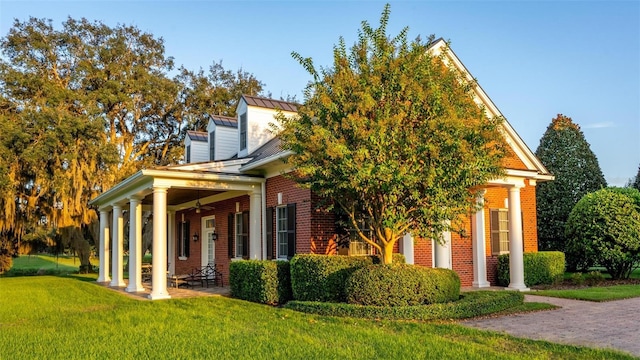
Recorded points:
(195, 147)
(223, 137)
(254, 116)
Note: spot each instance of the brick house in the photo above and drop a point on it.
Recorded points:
(230, 201)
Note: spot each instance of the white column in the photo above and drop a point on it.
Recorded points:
(406, 244)
(516, 262)
(171, 241)
(255, 235)
(103, 271)
(479, 247)
(135, 245)
(443, 251)
(118, 240)
(159, 265)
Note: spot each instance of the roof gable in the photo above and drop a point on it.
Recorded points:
(269, 103)
(519, 147)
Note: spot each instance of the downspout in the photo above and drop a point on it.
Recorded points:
(263, 215)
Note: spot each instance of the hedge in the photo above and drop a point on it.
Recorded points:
(401, 285)
(544, 267)
(261, 281)
(323, 277)
(471, 304)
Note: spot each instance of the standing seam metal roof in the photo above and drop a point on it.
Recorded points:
(270, 103)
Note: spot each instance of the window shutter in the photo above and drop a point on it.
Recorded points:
(291, 230)
(245, 234)
(188, 154)
(495, 231)
(269, 233)
(185, 234)
(212, 146)
(230, 235)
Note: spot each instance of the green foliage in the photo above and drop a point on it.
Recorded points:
(470, 304)
(604, 229)
(323, 277)
(594, 278)
(633, 194)
(397, 259)
(544, 267)
(565, 152)
(636, 181)
(401, 285)
(261, 281)
(577, 278)
(390, 132)
(6, 258)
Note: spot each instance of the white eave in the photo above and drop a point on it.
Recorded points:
(262, 162)
(518, 145)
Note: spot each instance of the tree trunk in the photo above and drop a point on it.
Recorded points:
(387, 254)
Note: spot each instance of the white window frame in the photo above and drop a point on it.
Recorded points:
(282, 235)
(238, 235)
(243, 131)
(499, 234)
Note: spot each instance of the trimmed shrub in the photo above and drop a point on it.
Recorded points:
(540, 268)
(401, 285)
(323, 277)
(594, 278)
(577, 279)
(396, 258)
(261, 281)
(604, 228)
(470, 304)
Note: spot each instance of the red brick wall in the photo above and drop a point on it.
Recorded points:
(221, 211)
(291, 194)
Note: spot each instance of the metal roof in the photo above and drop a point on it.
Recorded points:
(227, 121)
(270, 103)
(197, 135)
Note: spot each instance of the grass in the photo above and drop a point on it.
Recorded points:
(63, 318)
(48, 262)
(603, 293)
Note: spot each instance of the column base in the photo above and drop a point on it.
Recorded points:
(106, 279)
(116, 283)
(480, 284)
(517, 288)
(153, 296)
(133, 289)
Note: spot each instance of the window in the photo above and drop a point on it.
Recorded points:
(357, 246)
(243, 131)
(242, 235)
(212, 146)
(281, 226)
(183, 239)
(188, 154)
(500, 231)
(285, 231)
(210, 229)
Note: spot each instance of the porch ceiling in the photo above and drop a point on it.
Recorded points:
(177, 196)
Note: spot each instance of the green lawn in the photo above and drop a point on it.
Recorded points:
(602, 293)
(55, 317)
(48, 262)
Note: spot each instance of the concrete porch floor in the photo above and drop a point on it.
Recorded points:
(175, 293)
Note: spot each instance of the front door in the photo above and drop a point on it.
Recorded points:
(208, 240)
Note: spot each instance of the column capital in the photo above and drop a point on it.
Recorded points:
(160, 188)
(117, 207)
(517, 186)
(135, 198)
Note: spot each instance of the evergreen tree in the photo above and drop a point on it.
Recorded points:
(391, 133)
(635, 182)
(565, 152)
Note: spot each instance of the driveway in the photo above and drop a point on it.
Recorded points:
(613, 324)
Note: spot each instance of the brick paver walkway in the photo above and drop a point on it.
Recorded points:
(613, 324)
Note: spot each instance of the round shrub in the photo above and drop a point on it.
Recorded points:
(604, 228)
(401, 285)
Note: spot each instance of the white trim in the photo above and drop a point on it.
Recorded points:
(204, 240)
(277, 156)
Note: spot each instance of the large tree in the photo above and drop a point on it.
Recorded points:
(83, 107)
(635, 181)
(565, 152)
(392, 134)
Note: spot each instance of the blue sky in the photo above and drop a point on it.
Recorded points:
(535, 59)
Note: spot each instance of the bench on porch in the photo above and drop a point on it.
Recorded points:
(203, 276)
